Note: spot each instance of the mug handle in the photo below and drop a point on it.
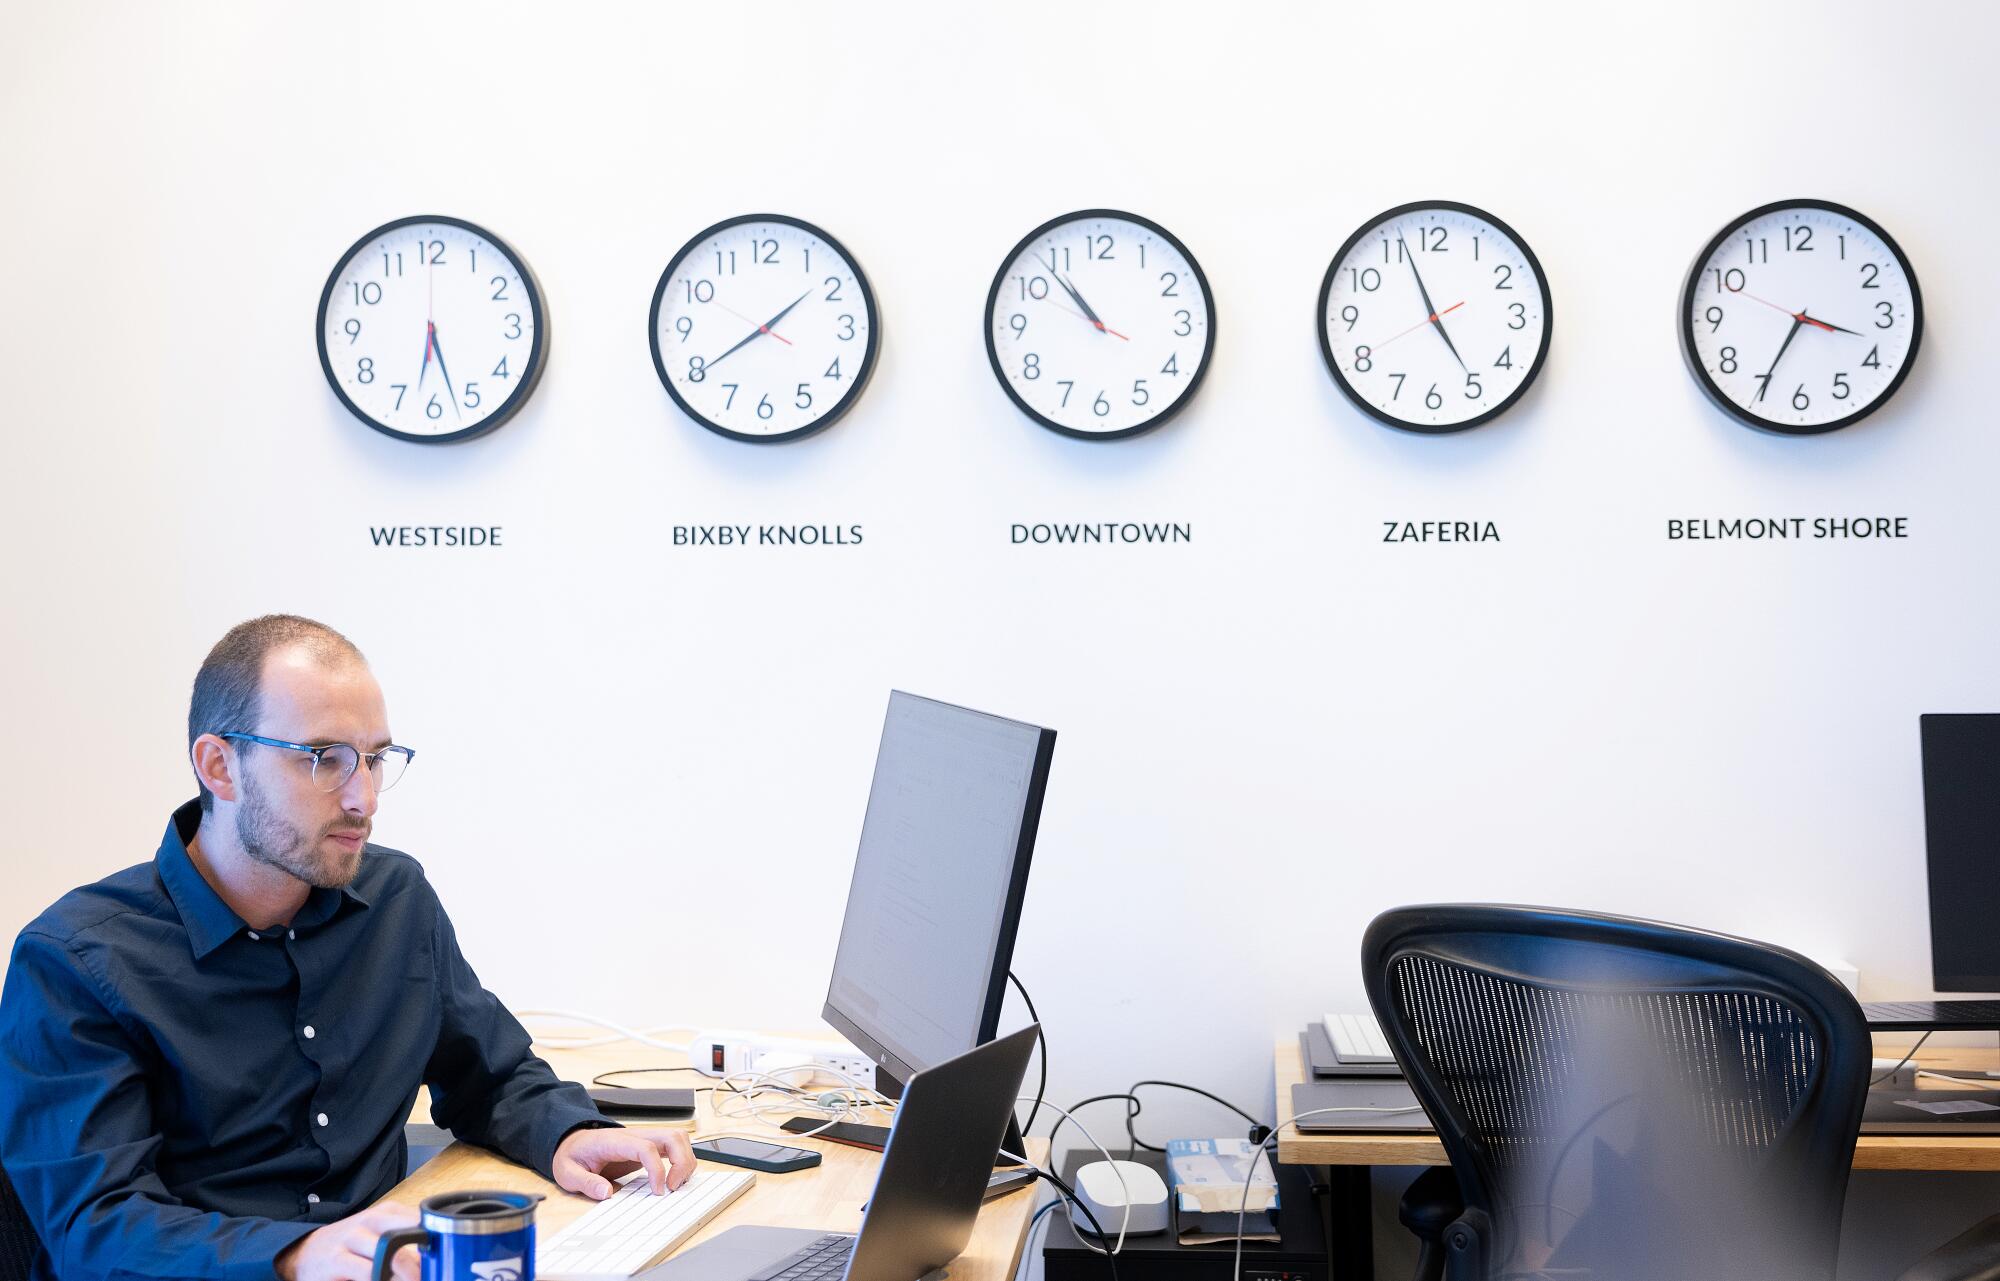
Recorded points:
(386, 1247)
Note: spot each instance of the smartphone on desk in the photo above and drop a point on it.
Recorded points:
(773, 1158)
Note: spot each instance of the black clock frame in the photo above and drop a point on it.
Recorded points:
(524, 384)
(993, 352)
(1326, 341)
(855, 385)
(1686, 326)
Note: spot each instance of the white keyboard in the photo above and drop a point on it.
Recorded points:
(1357, 1038)
(632, 1229)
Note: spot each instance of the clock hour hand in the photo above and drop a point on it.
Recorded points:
(764, 328)
(439, 348)
(1429, 306)
(1088, 313)
(1764, 378)
(430, 337)
(1826, 324)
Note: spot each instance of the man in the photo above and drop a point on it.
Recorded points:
(209, 1058)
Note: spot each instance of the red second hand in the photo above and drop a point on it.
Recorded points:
(1427, 320)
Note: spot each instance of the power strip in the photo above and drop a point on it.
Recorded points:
(728, 1053)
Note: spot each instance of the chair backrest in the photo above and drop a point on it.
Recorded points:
(18, 1243)
(1621, 1098)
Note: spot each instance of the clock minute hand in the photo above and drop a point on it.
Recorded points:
(751, 337)
(1765, 377)
(1429, 306)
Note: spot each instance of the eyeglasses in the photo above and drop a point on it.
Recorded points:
(335, 763)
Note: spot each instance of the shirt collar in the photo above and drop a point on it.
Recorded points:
(211, 922)
(208, 919)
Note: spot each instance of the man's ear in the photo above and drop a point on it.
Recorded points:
(215, 765)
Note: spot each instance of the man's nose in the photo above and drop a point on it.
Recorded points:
(358, 795)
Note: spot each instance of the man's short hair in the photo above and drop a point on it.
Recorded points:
(228, 690)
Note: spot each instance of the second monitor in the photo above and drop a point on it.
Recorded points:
(939, 877)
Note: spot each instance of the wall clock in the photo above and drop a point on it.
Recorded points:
(764, 329)
(1100, 324)
(432, 329)
(1800, 317)
(1434, 317)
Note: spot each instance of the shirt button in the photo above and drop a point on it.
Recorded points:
(312, 1198)
(255, 935)
(291, 934)
(310, 1034)
(322, 1118)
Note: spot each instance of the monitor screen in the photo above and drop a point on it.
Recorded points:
(938, 881)
(1962, 833)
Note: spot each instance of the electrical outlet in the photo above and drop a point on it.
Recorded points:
(856, 1065)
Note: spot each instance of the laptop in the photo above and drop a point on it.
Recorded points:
(934, 1170)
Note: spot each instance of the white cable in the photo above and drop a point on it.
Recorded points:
(1122, 1188)
(1250, 1175)
(619, 1032)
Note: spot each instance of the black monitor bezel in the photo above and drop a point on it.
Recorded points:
(1929, 726)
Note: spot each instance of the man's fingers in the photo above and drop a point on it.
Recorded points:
(680, 1156)
(409, 1264)
(656, 1173)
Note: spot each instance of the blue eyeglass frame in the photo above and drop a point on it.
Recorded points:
(319, 753)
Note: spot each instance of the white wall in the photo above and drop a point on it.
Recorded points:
(631, 752)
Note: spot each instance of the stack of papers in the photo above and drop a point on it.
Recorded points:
(1206, 1176)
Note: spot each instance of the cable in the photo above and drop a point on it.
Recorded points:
(1250, 1175)
(1041, 1087)
(619, 1030)
(1192, 1089)
(599, 1078)
(1076, 1203)
(1125, 1192)
(1906, 1058)
(1258, 1132)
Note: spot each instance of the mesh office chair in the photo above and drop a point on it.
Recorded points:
(1619, 1099)
(18, 1243)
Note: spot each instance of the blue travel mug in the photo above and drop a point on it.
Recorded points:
(469, 1236)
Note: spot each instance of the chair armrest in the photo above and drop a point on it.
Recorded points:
(1972, 1255)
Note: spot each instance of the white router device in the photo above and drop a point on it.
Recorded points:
(1098, 1185)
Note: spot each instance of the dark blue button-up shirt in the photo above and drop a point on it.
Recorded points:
(183, 1097)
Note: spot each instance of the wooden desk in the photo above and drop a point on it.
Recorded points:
(827, 1198)
(1872, 1152)
(1349, 1157)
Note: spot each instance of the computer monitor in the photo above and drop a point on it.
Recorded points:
(1962, 834)
(938, 881)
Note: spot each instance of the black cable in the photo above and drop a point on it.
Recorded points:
(1041, 1088)
(1258, 1130)
(599, 1078)
(1095, 1098)
(1076, 1203)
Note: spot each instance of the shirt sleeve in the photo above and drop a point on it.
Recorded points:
(79, 1143)
(487, 1085)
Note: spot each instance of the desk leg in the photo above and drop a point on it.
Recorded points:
(1350, 1223)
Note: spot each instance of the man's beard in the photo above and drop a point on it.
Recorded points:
(269, 838)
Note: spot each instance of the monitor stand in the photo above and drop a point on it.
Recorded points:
(890, 1087)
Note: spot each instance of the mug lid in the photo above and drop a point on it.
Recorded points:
(479, 1213)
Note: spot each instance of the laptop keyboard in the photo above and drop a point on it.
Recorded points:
(821, 1260)
(1941, 1014)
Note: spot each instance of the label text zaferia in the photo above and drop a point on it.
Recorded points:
(1440, 531)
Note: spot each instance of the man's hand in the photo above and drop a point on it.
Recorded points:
(344, 1250)
(587, 1160)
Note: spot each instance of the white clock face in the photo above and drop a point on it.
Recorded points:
(1434, 317)
(1801, 317)
(430, 329)
(1100, 324)
(763, 328)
